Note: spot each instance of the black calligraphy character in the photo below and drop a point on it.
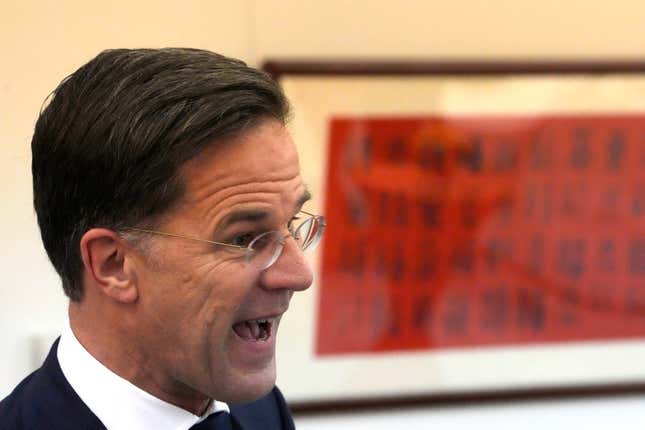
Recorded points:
(530, 200)
(424, 155)
(356, 211)
(378, 316)
(464, 256)
(347, 316)
(456, 316)
(426, 260)
(432, 155)
(536, 254)
(439, 157)
(494, 311)
(469, 213)
(400, 210)
(352, 256)
(571, 257)
(471, 156)
(380, 268)
(506, 156)
(547, 202)
(615, 150)
(342, 320)
(531, 310)
(396, 316)
(573, 199)
(360, 256)
(367, 151)
(637, 257)
(635, 300)
(606, 256)
(568, 203)
(570, 303)
(431, 213)
(397, 150)
(541, 152)
(346, 256)
(357, 312)
(422, 313)
(581, 151)
(638, 200)
(498, 251)
(397, 270)
(505, 207)
(384, 207)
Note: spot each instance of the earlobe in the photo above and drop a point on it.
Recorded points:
(105, 259)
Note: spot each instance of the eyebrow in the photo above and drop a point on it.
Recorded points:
(256, 215)
(251, 215)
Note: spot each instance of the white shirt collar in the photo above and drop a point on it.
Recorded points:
(115, 401)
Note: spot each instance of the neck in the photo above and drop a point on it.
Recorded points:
(115, 343)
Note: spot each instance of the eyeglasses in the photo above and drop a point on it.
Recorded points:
(264, 249)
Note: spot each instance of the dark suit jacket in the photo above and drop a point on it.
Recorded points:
(45, 400)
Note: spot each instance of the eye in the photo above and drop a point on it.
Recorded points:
(243, 239)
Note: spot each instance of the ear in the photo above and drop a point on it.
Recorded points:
(107, 263)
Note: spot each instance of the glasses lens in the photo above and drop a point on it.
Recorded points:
(309, 233)
(266, 249)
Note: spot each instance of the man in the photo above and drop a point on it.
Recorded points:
(169, 199)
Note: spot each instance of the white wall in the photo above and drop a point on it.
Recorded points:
(43, 41)
(625, 413)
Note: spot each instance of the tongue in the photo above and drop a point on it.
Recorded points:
(247, 330)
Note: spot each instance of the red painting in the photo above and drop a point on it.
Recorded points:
(469, 231)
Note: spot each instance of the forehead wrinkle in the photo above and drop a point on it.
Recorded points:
(199, 178)
(253, 201)
(256, 196)
(216, 185)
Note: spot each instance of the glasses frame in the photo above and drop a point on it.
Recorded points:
(249, 251)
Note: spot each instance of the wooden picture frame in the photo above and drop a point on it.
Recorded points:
(344, 115)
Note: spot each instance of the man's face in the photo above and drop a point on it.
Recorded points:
(199, 302)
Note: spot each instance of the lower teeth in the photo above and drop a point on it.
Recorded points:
(261, 332)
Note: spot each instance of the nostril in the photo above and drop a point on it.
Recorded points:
(289, 272)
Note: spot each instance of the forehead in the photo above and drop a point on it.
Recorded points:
(258, 167)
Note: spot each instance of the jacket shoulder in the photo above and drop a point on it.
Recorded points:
(12, 407)
(268, 412)
(44, 399)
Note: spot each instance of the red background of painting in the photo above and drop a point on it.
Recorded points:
(392, 277)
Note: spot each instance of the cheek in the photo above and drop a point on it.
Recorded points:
(196, 296)
(220, 290)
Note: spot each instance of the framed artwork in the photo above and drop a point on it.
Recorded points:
(485, 232)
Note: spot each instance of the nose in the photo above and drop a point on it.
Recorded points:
(290, 271)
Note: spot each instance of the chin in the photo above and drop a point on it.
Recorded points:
(251, 386)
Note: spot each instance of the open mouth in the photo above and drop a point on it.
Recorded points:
(254, 330)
